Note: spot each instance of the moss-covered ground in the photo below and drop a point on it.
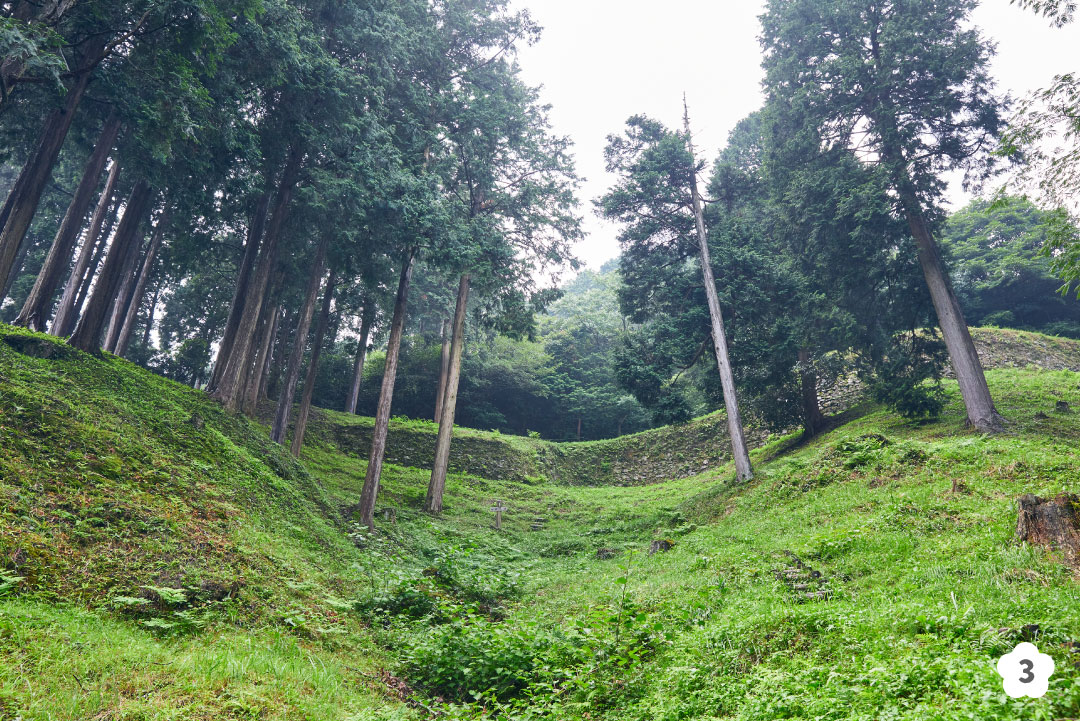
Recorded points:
(162, 560)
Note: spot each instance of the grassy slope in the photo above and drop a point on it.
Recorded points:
(915, 536)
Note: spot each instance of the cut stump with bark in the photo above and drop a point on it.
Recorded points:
(1051, 523)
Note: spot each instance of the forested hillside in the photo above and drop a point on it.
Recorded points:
(310, 407)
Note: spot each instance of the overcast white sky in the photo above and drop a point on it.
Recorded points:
(601, 61)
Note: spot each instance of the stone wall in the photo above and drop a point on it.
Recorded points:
(650, 456)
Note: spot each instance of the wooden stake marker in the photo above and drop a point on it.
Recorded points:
(498, 508)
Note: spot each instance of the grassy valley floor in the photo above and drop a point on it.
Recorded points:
(162, 560)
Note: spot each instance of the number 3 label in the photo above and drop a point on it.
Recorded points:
(1025, 671)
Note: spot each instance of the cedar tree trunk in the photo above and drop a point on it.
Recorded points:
(89, 257)
(87, 334)
(361, 354)
(296, 358)
(35, 311)
(137, 295)
(313, 368)
(370, 491)
(434, 501)
(243, 280)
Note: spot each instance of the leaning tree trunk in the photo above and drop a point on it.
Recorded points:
(87, 334)
(361, 353)
(258, 390)
(296, 358)
(35, 311)
(89, 257)
(26, 194)
(280, 344)
(16, 267)
(230, 389)
(370, 491)
(123, 300)
(243, 280)
(149, 327)
(300, 427)
(813, 418)
(437, 484)
(743, 470)
(981, 412)
(140, 286)
(444, 369)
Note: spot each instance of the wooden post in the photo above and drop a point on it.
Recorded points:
(499, 509)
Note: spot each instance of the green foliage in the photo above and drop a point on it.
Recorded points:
(1003, 256)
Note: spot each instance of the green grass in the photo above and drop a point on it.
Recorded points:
(293, 614)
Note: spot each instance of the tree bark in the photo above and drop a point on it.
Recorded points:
(89, 257)
(254, 372)
(361, 353)
(813, 418)
(313, 368)
(243, 280)
(229, 389)
(370, 491)
(87, 334)
(437, 484)
(35, 311)
(978, 402)
(148, 329)
(296, 358)
(140, 285)
(123, 299)
(444, 369)
(268, 347)
(16, 266)
(743, 469)
(281, 343)
(23, 200)
(579, 428)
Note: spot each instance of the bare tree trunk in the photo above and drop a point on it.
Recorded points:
(361, 353)
(35, 311)
(264, 375)
(253, 376)
(24, 198)
(813, 418)
(93, 248)
(296, 358)
(87, 334)
(277, 366)
(981, 412)
(313, 368)
(243, 280)
(437, 484)
(95, 264)
(16, 266)
(444, 369)
(123, 300)
(370, 491)
(579, 428)
(140, 285)
(229, 390)
(743, 470)
(150, 316)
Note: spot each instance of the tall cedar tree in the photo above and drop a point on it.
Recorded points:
(904, 85)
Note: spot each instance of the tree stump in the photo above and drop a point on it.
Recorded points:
(1051, 524)
(660, 546)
